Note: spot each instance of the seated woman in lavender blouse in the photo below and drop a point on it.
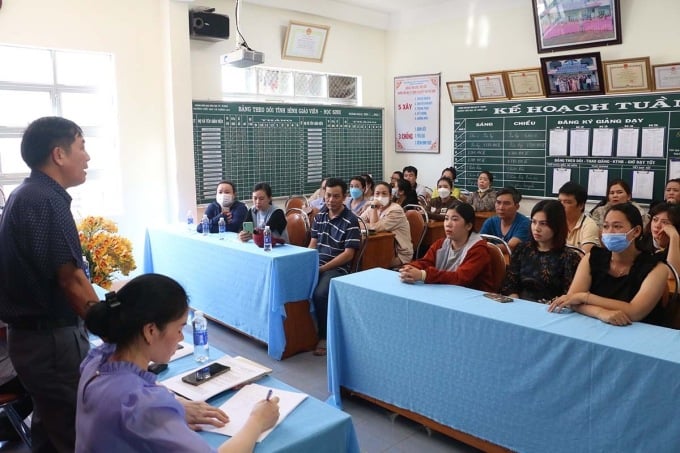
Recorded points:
(120, 406)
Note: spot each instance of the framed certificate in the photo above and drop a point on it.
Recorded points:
(460, 91)
(487, 86)
(306, 42)
(667, 76)
(628, 75)
(525, 83)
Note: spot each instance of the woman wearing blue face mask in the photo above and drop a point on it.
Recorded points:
(623, 282)
(356, 201)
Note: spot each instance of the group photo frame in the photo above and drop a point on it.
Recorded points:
(573, 75)
(575, 24)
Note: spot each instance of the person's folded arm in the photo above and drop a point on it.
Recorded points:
(77, 287)
(476, 260)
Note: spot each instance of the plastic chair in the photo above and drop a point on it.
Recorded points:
(669, 301)
(498, 265)
(359, 254)
(7, 402)
(298, 227)
(417, 218)
(296, 201)
(504, 247)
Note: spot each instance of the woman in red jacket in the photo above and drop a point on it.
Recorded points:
(460, 258)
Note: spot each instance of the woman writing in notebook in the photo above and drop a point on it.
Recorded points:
(120, 406)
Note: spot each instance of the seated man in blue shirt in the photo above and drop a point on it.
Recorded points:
(336, 235)
(508, 224)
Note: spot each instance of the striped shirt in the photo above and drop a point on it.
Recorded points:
(335, 235)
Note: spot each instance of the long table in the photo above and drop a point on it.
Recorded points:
(512, 374)
(312, 427)
(240, 285)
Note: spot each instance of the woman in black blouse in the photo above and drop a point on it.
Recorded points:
(623, 282)
(543, 267)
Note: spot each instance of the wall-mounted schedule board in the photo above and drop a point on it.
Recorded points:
(538, 145)
(290, 146)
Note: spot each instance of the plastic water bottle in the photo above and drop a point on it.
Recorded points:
(205, 225)
(267, 239)
(190, 220)
(201, 348)
(86, 268)
(223, 227)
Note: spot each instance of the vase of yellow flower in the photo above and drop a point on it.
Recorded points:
(106, 251)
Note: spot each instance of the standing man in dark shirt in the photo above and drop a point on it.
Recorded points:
(336, 235)
(44, 292)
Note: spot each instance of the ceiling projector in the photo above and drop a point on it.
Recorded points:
(243, 58)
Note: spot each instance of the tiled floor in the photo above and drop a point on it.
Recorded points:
(377, 429)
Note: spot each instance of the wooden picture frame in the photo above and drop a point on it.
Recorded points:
(574, 24)
(305, 42)
(666, 76)
(629, 75)
(525, 83)
(460, 91)
(489, 86)
(573, 75)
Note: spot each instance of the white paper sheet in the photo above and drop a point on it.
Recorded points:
(674, 169)
(242, 371)
(627, 142)
(597, 182)
(238, 408)
(643, 184)
(652, 142)
(578, 142)
(602, 141)
(560, 177)
(558, 142)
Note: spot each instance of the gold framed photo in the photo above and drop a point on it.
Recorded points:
(488, 86)
(666, 76)
(306, 42)
(460, 91)
(628, 75)
(525, 83)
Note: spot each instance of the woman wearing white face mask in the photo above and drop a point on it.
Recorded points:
(227, 207)
(384, 215)
(622, 283)
(437, 207)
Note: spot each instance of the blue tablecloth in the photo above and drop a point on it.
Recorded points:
(312, 427)
(236, 283)
(512, 374)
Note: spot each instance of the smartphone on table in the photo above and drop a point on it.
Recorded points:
(204, 374)
(498, 297)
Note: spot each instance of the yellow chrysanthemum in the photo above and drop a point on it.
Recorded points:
(105, 250)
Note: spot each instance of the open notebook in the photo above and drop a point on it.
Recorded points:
(242, 371)
(238, 408)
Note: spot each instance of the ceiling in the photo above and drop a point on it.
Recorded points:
(391, 14)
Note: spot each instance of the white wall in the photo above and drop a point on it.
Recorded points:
(134, 32)
(498, 38)
(159, 71)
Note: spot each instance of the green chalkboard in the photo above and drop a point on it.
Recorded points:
(290, 146)
(536, 145)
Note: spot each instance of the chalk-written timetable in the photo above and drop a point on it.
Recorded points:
(538, 145)
(290, 146)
